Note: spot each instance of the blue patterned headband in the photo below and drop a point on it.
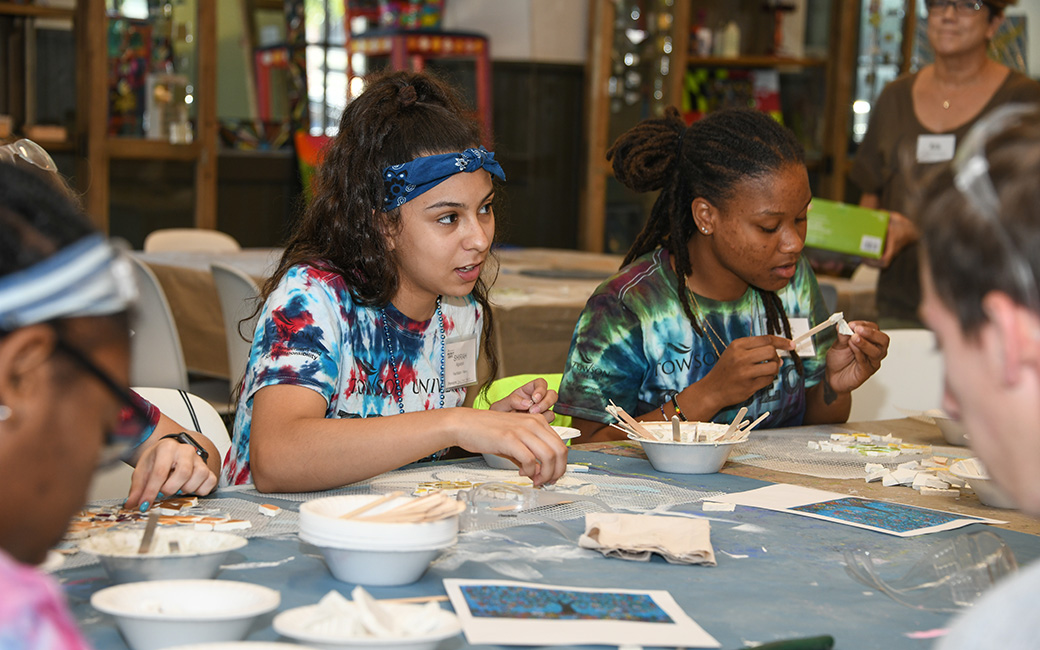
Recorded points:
(404, 182)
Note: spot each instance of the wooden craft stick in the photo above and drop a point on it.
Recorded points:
(372, 504)
(631, 421)
(415, 599)
(733, 425)
(758, 420)
(830, 322)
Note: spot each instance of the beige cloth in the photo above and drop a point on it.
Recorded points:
(634, 537)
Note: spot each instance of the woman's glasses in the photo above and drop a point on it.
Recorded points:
(960, 6)
(28, 151)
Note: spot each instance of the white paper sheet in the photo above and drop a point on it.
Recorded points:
(507, 612)
(881, 516)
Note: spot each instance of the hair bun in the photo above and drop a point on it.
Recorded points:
(407, 96)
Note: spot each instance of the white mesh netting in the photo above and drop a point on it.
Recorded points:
(785, 453)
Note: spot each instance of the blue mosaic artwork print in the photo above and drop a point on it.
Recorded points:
(504, 601)
(880, 514)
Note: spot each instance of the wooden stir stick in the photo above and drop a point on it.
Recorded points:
(371, 504)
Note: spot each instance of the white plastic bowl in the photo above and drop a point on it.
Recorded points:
(299, 624)
(501, 462)
(199, 556)
(163, 613)
(686, 457)
(370, 553)
(953, 431)
(986, 489)
(321, 518)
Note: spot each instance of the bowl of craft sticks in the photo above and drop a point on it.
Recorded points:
(380, 540)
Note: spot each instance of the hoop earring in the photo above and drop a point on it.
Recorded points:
(5, 412)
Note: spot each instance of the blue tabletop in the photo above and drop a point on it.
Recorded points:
(778, 575)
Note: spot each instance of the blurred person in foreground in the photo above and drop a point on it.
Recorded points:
(64, 362)
(168, 458)
(980, 270)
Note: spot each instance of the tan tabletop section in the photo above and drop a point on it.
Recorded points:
(910, 430)
(537, 297)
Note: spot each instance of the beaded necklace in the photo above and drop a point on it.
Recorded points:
(393, 361)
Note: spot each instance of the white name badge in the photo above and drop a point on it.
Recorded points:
(460, 362)
(936, 148)
(806, 348)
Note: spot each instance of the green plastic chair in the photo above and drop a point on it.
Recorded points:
(501, 388)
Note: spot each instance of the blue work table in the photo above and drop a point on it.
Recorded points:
(778, 576)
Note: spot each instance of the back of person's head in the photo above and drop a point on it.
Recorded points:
(399, 117)
(980, 217)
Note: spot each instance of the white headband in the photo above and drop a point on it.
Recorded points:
(88, 278)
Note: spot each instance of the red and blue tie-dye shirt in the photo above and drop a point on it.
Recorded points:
(311, 333)
(634, 344)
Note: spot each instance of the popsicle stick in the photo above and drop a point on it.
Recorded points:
(415, 599)
(372, 504)
(630, 421)
(736, 421)
(744, 432)
(830, 322)
(676, 429)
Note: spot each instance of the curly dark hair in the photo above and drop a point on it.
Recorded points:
(399, 117)
(705, 160)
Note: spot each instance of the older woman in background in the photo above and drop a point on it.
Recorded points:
(916, 125)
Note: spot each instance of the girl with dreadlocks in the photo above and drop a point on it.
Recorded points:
(699, 321)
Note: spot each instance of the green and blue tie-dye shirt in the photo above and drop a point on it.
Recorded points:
(634, 344)
(311, 333)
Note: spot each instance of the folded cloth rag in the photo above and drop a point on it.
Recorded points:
(634, 537)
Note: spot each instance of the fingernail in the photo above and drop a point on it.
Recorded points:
(144, 506)
(178, 493)
(123, 505)
(161, 496)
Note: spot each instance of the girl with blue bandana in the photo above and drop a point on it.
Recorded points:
(371, 325)
(699, 321)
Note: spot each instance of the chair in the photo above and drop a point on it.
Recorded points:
(156, 355)
(238, 296)
(910, 379)
(503, 386)
(188, 410)
(190, 240)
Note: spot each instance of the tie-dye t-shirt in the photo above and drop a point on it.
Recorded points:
(312, 334)
(33, 614)
(634, 344)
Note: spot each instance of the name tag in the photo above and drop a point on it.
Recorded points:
(936, 148)
(460, 362)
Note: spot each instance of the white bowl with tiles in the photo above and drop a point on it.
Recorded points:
(163, 613)
(198, 553)
(373, 553)
(239, 645)
(986, 489)
(666, 455)
(501, 462)
(311, 626)
(953, 431)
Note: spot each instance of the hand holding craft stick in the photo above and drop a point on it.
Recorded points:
(833, 320)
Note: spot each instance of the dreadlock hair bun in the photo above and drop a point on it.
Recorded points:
(407, 96)
(645, 157)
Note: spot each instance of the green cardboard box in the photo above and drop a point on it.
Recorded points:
(846, 229)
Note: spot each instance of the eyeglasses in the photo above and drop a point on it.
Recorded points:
(961, 6)
(28, 151)
(133, 416)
